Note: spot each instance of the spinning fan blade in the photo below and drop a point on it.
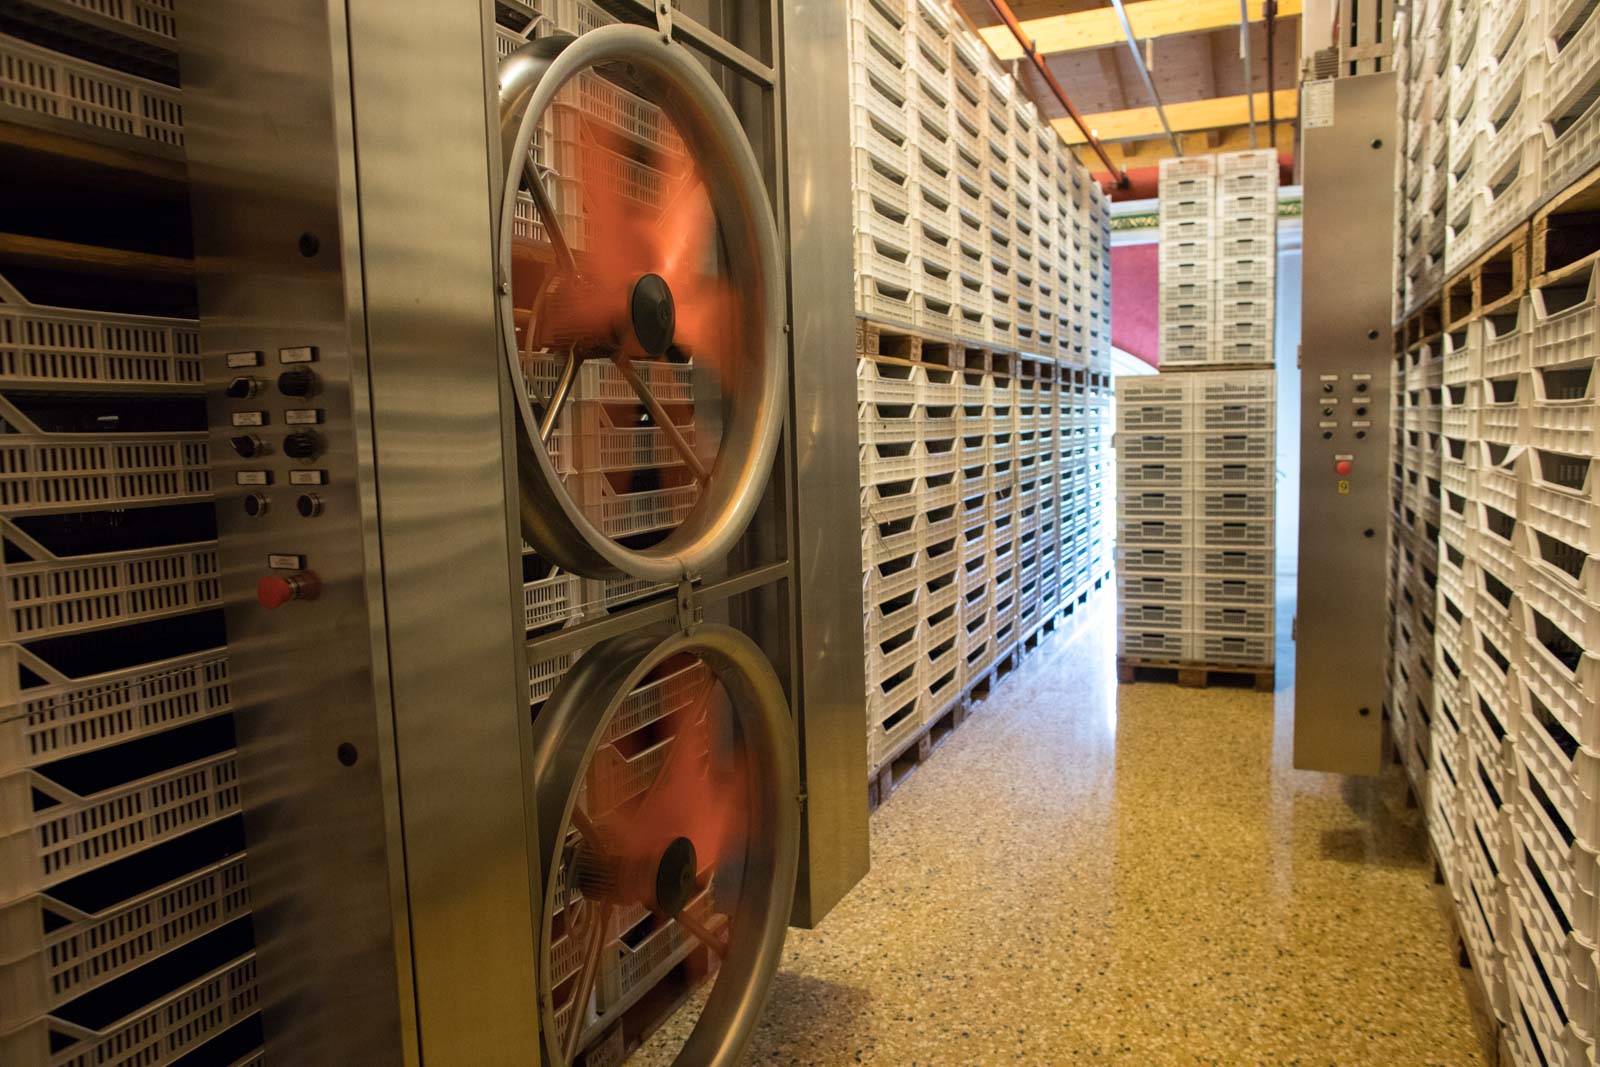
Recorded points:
(700, 794)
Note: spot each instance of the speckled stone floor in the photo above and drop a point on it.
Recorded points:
(1094, 873)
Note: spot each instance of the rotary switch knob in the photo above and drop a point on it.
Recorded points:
(302, 444)
(273, 591)
(297, 382)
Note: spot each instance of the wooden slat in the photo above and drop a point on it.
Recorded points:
(23, 251)
(142, 165)
(1139, 122)
(1100, 27)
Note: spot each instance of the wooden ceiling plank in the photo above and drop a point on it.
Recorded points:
(1100, 27)
(1192, 115)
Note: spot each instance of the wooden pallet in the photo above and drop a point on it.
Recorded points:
(1566, 232)
(1423, 324)
(894, 772)
(1497, 279)
(1195, 675)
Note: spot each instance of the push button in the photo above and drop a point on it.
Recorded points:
(273, 591)
(1343, 467)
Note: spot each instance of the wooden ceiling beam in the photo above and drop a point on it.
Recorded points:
(1199, 143)
(1099, 27)
(1192, 115)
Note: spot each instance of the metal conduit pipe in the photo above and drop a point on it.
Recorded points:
(1144, 74)
(1244, 54)
(1003, 9)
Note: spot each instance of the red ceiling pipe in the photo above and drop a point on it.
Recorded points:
(1003, 9)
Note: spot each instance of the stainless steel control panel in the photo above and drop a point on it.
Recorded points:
(1340, 639)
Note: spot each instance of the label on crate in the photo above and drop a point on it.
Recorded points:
(286, 561)
(249, 418)
(303, 416)
(252, 477)
(244, 359)
(308, 477)
(304, 354)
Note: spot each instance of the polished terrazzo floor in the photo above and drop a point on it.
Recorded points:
(1088, 873)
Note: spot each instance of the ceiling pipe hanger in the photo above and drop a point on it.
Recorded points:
(1003, 9)
(1144, 73)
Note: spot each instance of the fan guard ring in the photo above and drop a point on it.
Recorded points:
(567, 735)
(552, 522)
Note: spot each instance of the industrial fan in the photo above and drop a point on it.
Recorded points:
(664, 764)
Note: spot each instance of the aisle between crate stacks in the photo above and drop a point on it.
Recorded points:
(891, 771)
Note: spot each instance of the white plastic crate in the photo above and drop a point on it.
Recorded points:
(43, 844)
(1563, 402)
(1536, 1034)
(48, 595)
(57, 716)
(70, 90)
(46, 472)
(620, 513)
(160, 1032)
(65, 348)
(1233, 504)
(1571, 124)
(1188, 167)
(54, 952)
(1230, 649)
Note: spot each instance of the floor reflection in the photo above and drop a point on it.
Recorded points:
(1128, 875)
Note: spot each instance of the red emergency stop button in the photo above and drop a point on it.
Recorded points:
(1343, 467)
(276, 590)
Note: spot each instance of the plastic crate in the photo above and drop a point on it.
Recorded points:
(1236, 445)
(1536, 1034)
(54, 716)
(49, 833)
(65, 348)
(1571, 124)
(161, 1032)
(54, 952)
(1553, 878)
(69, 90)
(1230, 649)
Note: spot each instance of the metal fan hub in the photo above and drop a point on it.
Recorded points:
(652, 315)
(676, 877)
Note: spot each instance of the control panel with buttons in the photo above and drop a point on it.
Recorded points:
(1340, 648)
(270, 428)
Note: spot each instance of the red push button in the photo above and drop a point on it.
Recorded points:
(1343, 467)
(275, 590)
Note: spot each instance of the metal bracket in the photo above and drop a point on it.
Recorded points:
(691, 612)
(664, 20)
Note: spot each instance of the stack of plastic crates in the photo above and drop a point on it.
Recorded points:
(1534, 494)
(887, 279)
(1569, 121)
(125, 929)
(1195, 499)
(933, 211)
(1188, 273)
(1245, 224)
(1511, 170)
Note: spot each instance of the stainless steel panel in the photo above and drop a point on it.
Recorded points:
(383, 726)
(830, 679)
(1340, 650)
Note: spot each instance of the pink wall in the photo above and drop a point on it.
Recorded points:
(1135, 274)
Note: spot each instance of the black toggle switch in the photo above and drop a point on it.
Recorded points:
(297, 382)
(242, 388)
(309, 505)
(247, 445)
(303, 444)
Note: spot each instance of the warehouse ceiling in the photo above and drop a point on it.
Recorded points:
(1193, 49)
